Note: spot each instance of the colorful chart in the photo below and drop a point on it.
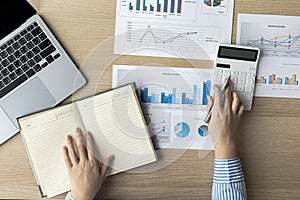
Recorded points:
(157, 6)
(199, 95)
(182, 130)
(212, 2)
(203, 131)
(278, 81)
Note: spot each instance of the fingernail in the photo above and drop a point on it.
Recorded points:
(109, 161)
(88, 134)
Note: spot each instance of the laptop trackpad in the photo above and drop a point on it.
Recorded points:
(32, 97)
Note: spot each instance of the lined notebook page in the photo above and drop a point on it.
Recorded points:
(116, 122)
(45, 135)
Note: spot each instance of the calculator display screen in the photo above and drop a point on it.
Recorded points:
(237, 53)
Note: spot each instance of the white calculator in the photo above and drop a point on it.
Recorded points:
(241, 63)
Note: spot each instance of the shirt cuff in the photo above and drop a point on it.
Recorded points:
(228, 171)
(68, 197)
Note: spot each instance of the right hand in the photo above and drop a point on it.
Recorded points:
(226, 115)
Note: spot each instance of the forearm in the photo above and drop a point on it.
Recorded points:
(228, 181)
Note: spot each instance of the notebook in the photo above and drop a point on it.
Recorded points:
(116, 121)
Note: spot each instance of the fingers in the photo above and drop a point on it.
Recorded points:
(71, 151)
(105, 168)
(90, 146)
(237, 106)
(210, 102)
(241, 111)
(235, 102)
(228, 99)
(66, 157)
(218, 97)
(82, 153)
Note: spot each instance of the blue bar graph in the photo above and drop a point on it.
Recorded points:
(206, 91)
(172, 7)
(195, 94)
(166, 6)
(138, 4)
(179, 6)
(174, 98)
(144, 5)
(183, 98)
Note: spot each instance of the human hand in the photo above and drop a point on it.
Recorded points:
(86, 174)
(226, 114)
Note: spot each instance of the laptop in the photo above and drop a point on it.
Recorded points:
(35, 71)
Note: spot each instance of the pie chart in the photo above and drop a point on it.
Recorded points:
(182, 130)
(213, 3)
(203, 131)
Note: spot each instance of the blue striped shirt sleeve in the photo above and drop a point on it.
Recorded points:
(68, 197)
(228, 181)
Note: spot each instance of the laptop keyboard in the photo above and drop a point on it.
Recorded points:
(24, 55)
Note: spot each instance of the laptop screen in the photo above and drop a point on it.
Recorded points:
(13, 13)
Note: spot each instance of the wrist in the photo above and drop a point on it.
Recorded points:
(78, 196)
(225, 150)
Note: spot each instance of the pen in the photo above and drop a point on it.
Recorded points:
(208, 116)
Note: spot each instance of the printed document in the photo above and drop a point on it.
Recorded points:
(173, 101)
(172, 28)
(278, 37)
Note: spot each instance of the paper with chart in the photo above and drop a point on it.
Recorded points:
(172, 28)
(279, 39)
(174, 103)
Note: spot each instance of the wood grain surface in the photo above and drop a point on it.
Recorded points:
(269, 143)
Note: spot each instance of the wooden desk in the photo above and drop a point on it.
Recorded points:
(269, 144)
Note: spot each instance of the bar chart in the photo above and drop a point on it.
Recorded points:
(172, 9)
(199, 96)
(273, 79)
(157, 7)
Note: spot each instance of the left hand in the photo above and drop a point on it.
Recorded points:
(86, 174)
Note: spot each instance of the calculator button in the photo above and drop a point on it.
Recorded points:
(241, 80)
(234, 79)
(224, 78)
(249, 81)
(248, 89)
(240, 88)
(233, 87)
(251, 74)
(227, 72)
(251, 69)
(217, 78)
(247, 96)
(236, 73)
(219, 71)
(247, 105)
(243, 74)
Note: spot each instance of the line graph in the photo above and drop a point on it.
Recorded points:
(160, 40)
(280, 41)
(273, 40)
(174, 39)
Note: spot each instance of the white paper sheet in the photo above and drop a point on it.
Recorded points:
(172, 28)
(279, 39)
(172, 101)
